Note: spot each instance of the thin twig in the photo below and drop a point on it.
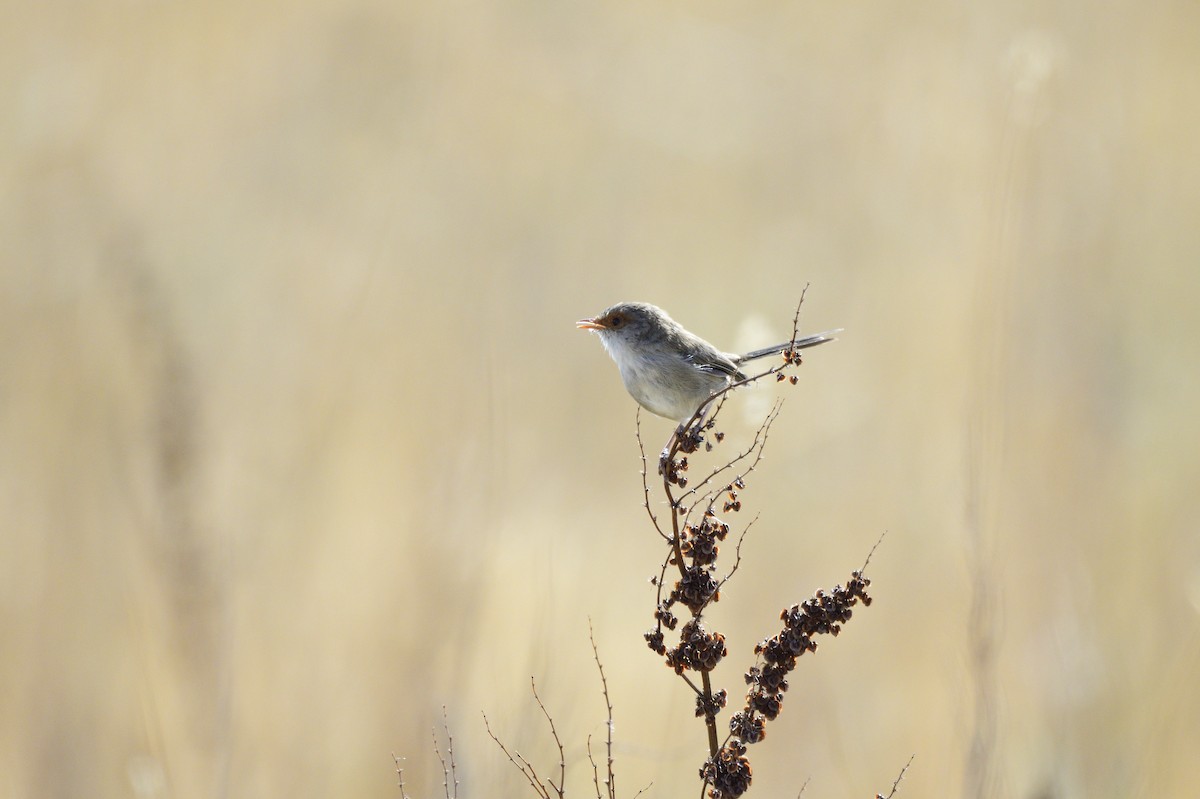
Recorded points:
(595, 769)
(562, 760)
(662, 578)
(796, 317)
(675, 539)
(737, 553)
(756, 446)
(523, 767)
(803, 788)
(399, 776)
(449, 777)
(445, 770)
(879, 541)
(533, 771)
(611, 780)
(690, 684)
(645, 483)
(896, 784)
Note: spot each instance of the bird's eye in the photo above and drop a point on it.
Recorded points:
(616, 320)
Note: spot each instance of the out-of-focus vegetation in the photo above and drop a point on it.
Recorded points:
(298, 442)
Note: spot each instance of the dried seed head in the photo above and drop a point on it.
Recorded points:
(729, 772)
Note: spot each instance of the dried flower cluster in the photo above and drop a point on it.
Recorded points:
(824, 614)
(694, 535)
(728, 772)
(698, 649)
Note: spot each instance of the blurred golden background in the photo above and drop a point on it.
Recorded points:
(298, 442)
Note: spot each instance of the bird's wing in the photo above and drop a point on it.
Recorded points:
(720, 365)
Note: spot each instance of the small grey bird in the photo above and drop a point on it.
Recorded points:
(669, 371)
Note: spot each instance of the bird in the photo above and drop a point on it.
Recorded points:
(670, 371)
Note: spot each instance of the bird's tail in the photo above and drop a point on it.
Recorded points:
(798, 344)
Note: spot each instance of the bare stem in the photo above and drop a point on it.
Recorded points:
(611, 780)
(450, 781)
(896, 784)
(645, 483)
(756, 448)
(521, 763)
(399, 776)
(562, 761)
(710, 720)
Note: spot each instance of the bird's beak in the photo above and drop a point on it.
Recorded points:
(589, 324)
